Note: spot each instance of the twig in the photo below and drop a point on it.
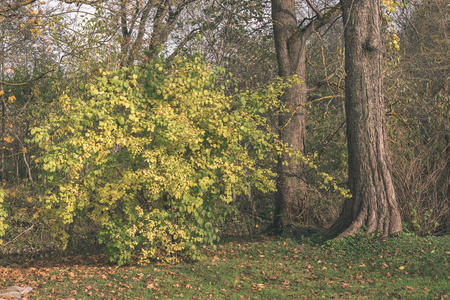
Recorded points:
(19, 235)
(318, 13)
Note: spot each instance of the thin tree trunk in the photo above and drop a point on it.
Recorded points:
(2, 135)
(447, 187)
(447, 151)
(373, 204)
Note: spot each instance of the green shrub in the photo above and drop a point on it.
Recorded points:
(153, 155)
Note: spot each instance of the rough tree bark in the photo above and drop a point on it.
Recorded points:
(373, 204)
(291, 188)
(290, 44)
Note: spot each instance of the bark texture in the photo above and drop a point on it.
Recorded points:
(291, 188)
(373, 204)
(290, 43)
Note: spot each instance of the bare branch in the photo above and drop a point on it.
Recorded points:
(27, 82)
(23, 232)
(318, 13)
(317, 23)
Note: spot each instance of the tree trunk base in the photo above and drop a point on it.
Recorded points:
(386, 223)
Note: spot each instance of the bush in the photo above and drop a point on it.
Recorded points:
(421, 179)
(153, 155)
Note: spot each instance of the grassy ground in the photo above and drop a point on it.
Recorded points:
(405, 267)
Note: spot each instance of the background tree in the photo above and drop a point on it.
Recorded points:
(20, 29)
(23, 62)
(291, 36)
(373, 204)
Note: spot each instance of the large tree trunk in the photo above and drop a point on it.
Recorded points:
(373, 204)
(290, 203)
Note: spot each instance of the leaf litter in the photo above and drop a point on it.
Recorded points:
(268, 268)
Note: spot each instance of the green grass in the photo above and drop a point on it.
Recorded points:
(405, 267)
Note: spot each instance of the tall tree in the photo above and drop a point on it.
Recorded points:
(291, 38)
(373, 204)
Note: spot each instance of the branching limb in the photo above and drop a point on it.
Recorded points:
(318, 13)
(306, 31)
(25, 231)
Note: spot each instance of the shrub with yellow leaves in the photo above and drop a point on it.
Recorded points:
(153, 155)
